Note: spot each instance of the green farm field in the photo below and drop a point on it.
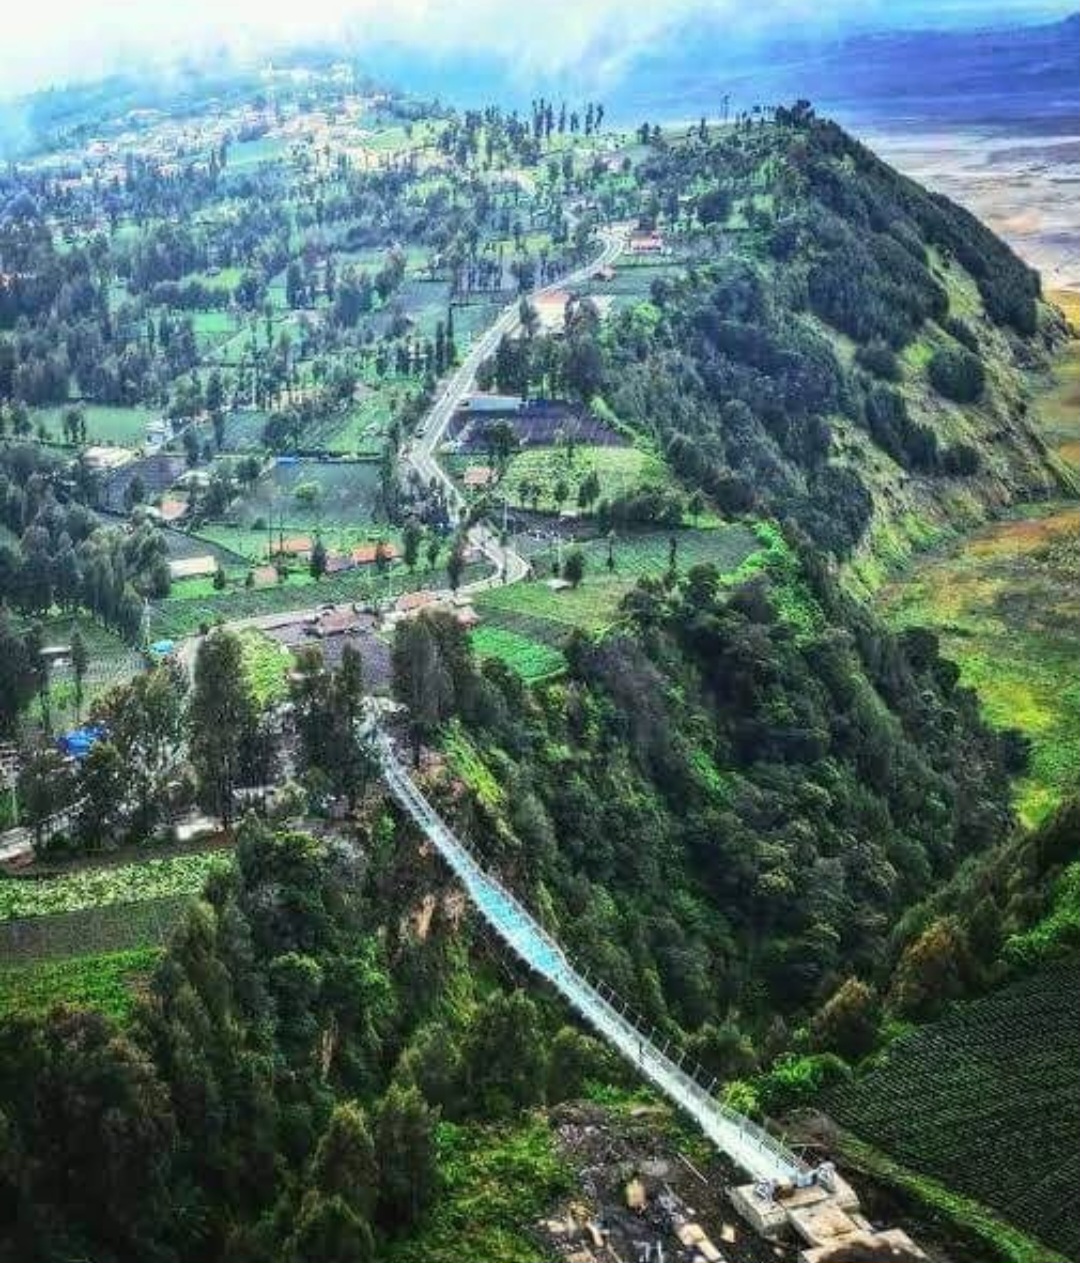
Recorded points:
(361, 431)
(107, 981)
(308, 495)
(267, 664)
(151, 879)
(182, 614)
(618, 470)
(594, 604)
(531, 659)
(256, 545)
(245, 154)
(986, 1101)
(525, 624)
(97, 930)
(213, 327)
(112, 662)
(105, 425)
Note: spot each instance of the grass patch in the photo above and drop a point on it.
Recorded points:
(496, 1181)
(108, 982)
(1005, 602)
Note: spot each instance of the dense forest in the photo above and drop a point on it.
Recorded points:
(276, 1094)
(726, 806)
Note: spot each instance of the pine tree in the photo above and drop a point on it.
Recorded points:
(80, 661)
(223, 721)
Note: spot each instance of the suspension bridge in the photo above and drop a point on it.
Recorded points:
(754, 1150)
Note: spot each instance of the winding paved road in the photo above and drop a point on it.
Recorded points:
(510, 566)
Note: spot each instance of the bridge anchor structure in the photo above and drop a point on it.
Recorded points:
(784, 1192)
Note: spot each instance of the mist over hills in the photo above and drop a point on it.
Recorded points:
(1003, 75)
(1019, 76)
(1008, 75)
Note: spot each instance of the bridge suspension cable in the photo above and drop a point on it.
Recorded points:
(750, 1146)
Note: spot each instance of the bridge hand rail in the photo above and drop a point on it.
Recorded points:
(749, 1144)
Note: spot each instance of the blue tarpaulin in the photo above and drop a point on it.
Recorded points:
(163, 647)
(79, 741)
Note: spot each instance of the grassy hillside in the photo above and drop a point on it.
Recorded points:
(1005, 601)
(847, 350)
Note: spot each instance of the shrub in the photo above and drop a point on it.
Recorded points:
(796, 1081)
(848, 1022)
(957, 374)
(962, 332)
(879, 358)
(933, 970)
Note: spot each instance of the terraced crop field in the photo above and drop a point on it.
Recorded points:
(146, 880)
(113, 927)
(531, 659)
(987, 1100)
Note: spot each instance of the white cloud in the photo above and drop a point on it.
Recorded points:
(53, 41)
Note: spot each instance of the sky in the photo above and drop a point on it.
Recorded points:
(51, 42)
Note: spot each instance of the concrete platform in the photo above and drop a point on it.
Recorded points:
(826, 1219)
(894, 1237)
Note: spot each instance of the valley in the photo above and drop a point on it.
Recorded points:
(603, 464)
(1004, 600)
(1019, 181)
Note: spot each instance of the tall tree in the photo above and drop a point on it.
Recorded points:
(80, 661)
(223, 721)
(421, 680)
(317, 565)
(455, 565)
(145, 720)
(411, 535)
(405, 1142)
(574, 567)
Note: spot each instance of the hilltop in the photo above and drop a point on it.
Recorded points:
(850, 351)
